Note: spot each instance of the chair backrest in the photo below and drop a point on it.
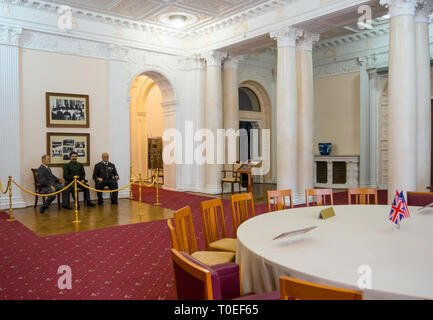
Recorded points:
(278, 198)
(419, 199)
(35, 175)
(362, 195)
(197, 281)
(214, 226)
(319, 196)
(302, 290)
(172, 234)
(242, 209)
(185, 234)
(192, 281)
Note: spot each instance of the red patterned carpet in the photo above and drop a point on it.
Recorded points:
(124, 262)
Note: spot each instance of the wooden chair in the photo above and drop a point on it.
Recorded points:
(278, 198)
(240, 212)
(194, 280)
(319, 196)
(38, 188)
(233, 179)
(362, 195)
(214, 227)
(301, 290)
(183, 239)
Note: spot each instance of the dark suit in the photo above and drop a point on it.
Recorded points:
(107, 173)
(47, 179)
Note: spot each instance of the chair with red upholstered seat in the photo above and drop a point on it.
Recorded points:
(419, 199)
(194, 280)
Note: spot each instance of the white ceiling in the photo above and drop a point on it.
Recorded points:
(206, 11)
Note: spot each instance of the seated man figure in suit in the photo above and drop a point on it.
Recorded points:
(74, 168)
(50, 183)
(105, 174)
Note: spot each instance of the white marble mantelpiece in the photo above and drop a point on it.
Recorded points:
(352, 171)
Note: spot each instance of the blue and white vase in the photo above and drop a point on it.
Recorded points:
(325, 148)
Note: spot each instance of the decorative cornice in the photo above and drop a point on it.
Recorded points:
(191, 62)
(214, 58)
(287, 36)
(423, 11)
(10, 35)
(306, 42)
(400, 7)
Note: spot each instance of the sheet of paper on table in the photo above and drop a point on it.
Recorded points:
(294, 233)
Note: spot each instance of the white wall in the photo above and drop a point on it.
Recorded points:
(42, 72)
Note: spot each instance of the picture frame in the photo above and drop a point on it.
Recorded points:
(60, 144)
(67, 110)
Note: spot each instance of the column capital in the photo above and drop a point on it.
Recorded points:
(400, 7)
(305, 43)
(10, 35)
(214, 58)
(231, 62)
(423, 11)
(287, 36)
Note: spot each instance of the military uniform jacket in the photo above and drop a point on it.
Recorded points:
(74, 169)
(45, 177)
(104, 171)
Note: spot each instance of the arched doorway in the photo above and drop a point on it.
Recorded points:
(153, 110)
(255, 112)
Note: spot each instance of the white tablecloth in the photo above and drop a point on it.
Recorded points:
(401, 261)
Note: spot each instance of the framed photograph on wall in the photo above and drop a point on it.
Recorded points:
(60, 145)
(67, 110)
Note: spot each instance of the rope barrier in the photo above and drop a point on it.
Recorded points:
(105, 191)
(7, 187)
(44, 194)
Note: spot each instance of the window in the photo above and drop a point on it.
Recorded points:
(248, 100)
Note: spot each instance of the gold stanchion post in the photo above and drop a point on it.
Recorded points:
(157, 203)
(11, 217)
(139, 194)
(130, 187)
(76, 200)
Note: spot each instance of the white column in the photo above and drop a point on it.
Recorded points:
(119, 117)
(305, 85)
(287, 110)
(364, 83)
(231, 95)
(214, 115)
(402, 97)
(10, 126)
(423, 93)
(374, 130)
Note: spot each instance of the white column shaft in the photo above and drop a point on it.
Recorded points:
(287, 119)
(230, 100)
(305, 119)
(364, 170)
(402, 101)
(10, 126)
(423, 109)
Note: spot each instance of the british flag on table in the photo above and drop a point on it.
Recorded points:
(399, 210)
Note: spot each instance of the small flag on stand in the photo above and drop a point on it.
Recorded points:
(399, 210)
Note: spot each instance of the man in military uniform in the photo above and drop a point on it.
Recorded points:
(105, 174)
(50, 183)
(74, 168)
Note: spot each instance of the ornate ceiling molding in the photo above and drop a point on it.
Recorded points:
(148, 26)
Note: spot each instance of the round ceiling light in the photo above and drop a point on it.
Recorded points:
(177, 19)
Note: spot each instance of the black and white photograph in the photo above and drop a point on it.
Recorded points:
(81, 153)
(56, 144)
(56, 153)
(68, 142)
(80, 144)
(67, 110)
(67, 150)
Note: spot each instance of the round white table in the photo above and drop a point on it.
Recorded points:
(401, 262)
